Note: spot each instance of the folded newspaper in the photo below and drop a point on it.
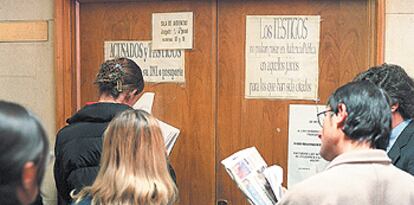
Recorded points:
(261, 185)
(169, 132)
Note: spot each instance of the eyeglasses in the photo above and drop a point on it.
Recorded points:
(321, 116)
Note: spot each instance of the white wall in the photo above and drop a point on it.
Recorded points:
(27, 71)
(399, 34)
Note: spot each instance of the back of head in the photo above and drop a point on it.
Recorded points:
(133, 164)
(396, 82)
(368, 109)
(118, 75)
(23, 140)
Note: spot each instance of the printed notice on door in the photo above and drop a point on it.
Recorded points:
(157, 66)
(172, 30)
(304, 144)
(282, 57)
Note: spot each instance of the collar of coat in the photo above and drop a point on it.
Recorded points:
(361, 156)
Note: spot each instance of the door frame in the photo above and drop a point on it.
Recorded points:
(65, 60)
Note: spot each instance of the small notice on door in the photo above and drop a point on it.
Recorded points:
(304, 144)
(157, 65)
(172, 30)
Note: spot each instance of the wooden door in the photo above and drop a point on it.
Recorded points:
(210, 109)
(189, 106)
(346, 39)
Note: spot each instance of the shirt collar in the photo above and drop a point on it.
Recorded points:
(396, 131)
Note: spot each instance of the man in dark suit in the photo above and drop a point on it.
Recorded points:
(400, 87)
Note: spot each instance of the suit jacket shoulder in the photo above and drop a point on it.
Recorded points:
(402, 152)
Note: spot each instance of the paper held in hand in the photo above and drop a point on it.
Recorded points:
(261, 185)
(169, 132)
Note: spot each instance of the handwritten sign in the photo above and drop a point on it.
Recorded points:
(282, 57)
(172, 30)
(157, 65)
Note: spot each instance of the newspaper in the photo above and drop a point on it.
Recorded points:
(274, 174)
(169, 133)
(145, 102)
(261, 185)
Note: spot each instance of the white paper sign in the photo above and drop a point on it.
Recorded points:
(303, 151)
(172, 30)
(157, 65)
(282, 57)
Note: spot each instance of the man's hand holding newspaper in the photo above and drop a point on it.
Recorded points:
(262, 185)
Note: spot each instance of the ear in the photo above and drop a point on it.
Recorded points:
(29, 174)
(131, 98)
(29, 189)
(394, 107)
(134, 92)
(131, 94)
(341, 116)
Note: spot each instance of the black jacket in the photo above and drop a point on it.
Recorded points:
(78, 148)
(402, 152)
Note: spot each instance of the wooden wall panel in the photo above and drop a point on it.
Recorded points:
(189, 106)
(344, 52)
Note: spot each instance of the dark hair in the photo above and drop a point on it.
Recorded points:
(117, 75)
(396, 82)
(22, 139)
(369, 113)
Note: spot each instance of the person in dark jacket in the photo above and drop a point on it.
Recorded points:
(79, 145)
(400, 87)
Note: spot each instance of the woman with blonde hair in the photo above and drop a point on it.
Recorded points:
(134, 167)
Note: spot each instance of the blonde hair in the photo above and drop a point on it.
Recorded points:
(133, 167)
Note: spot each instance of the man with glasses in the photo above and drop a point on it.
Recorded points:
(355, 127)
(400, 87)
